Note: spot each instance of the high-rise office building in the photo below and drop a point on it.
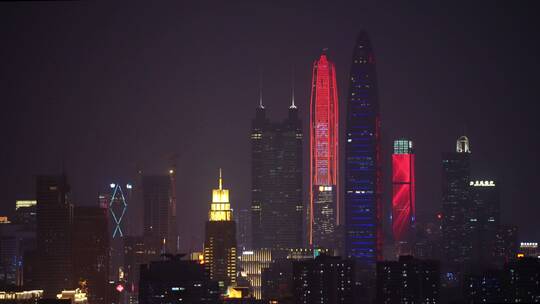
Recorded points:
(17, 237)
(117, 203)
(506, 244)
(53, 264)
(277, 203)
(403, 195)
(136, 253)
(173, 239)
(324, 205)
(456, 205)
(243, 229)
(408, 280)
(484, 221)
(363, 185)
(157, 212)
(220, 255)
(116, 200)
(325, 279)
(91, 252)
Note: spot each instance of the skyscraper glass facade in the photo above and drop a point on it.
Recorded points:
(363, 235)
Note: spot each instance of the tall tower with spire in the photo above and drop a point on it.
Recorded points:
(363, 185)
(276, 180)
(324, 155)
(220, 254)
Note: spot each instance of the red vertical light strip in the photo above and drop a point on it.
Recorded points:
(335, 125)
(413, 188)
(311, 155)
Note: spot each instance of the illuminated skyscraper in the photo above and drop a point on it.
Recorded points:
(117, 204)
(456, 204)
(363, 208)
(324, 155)
(403, 194)
(220, 256)
(277, 204)
(117, 201)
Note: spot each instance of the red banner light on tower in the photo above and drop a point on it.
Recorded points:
(403, 195)
(324, 130)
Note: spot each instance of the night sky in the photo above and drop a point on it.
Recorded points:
(101, 88)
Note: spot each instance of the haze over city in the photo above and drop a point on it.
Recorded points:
(99, 91)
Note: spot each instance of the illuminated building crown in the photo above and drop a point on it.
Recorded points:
(462, 145)
(220, 209)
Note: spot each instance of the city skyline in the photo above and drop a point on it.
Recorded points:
(152, 137)
(253, 152)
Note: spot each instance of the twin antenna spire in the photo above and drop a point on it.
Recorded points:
(260, 89)
(293, 106)
(261, 106)
(220, 180)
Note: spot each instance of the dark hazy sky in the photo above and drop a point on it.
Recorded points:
(102, 87)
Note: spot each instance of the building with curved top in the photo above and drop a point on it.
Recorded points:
(363, 187)
(324, 155)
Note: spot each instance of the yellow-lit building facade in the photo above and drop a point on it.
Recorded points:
(220, 255)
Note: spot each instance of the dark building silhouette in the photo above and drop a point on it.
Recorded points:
(506, 244)
(136, 253)
(53, 268)
(277, 282)
(243, 228)
(484, 221)
(220, 254)
(408, 280)
(176, 281)
(523, 280)
(427, 240)
(325, 279)
(91, 252)
(16, 238)
(517, 282)
(277, 203)
(487, 287)
(157, 212)
(456, 205)
(363, 184)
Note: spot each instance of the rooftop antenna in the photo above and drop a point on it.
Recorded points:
(261, 106)
(293, 106)
(220, 180)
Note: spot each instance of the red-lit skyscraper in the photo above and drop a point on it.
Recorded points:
(324, 128)
(403, 196)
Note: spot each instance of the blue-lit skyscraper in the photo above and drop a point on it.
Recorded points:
(363, 237)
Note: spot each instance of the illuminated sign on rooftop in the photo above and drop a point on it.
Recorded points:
(482, 183)
(24, 203)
